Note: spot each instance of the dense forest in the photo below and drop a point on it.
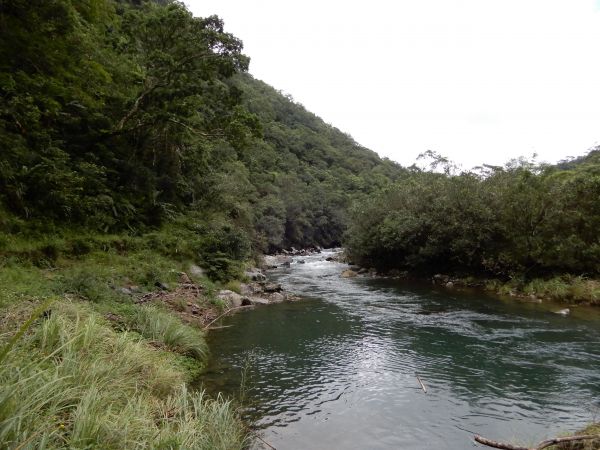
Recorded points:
(524, 220)
(119, 116)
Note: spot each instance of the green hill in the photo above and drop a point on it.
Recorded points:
(120, 116)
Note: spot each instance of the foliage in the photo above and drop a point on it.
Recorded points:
(524, 220)
(121, 115)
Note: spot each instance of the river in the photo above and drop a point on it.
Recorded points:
(338, 369)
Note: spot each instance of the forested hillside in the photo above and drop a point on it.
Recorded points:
(517, 222)
(121, 116)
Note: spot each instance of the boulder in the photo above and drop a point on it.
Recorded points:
(184, 278)
(349, 273)
(282, 259)
(440, 278)
(258, 301)
(276, 297)
(255, 275)
(232, 299)
(272, 287)
(301, 261)
(248, 288)
(270, 261)
(449, 284)
(563, 312)
(196, 271)
(162, 286)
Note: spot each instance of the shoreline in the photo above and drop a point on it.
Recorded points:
(567, 289)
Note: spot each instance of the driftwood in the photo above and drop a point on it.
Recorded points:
(225, 313)
(421, 383)
(540, 446)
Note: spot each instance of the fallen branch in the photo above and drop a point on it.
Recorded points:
(421, 383)
(540, 446)
(225, 313)
(263, 441)
(219, 328)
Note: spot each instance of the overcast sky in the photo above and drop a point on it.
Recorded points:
(475, 80)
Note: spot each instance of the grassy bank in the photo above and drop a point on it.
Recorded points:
(565, 288)
(100, 368)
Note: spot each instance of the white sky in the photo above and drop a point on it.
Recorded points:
(475, 80)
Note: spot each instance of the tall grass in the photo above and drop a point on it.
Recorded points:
(569, 288)
(162, 327)
(73, 382)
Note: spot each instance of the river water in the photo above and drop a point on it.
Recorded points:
(337, 370)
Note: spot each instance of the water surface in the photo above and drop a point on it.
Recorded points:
(337, 370)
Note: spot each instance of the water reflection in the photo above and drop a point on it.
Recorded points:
(338, 370)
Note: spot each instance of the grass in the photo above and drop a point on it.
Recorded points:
(564, 288)
(160, 326)
(74, 382)
(592, 429)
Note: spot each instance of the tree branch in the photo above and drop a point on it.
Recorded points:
(540, 446)
(193, 130)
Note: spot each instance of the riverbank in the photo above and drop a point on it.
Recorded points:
(115, 334)
(566, 288)
(143, 304)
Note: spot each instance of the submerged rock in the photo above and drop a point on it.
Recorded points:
(563, 312)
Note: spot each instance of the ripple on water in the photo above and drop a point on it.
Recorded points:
(338, 371)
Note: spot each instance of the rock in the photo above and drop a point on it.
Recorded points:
(287, 264)
(349, 273)
(449, 284)
(272, 287)
(258, 301)
(440, 278)
(301, 261)
(184, 278)
(161, 286)
(125, 291)
(255, 275)
(247, 289)
(270, 261)
(196, 271)
(277, 297)
(329, 258)
(233, 299)
(363, 270)
(563, 312)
